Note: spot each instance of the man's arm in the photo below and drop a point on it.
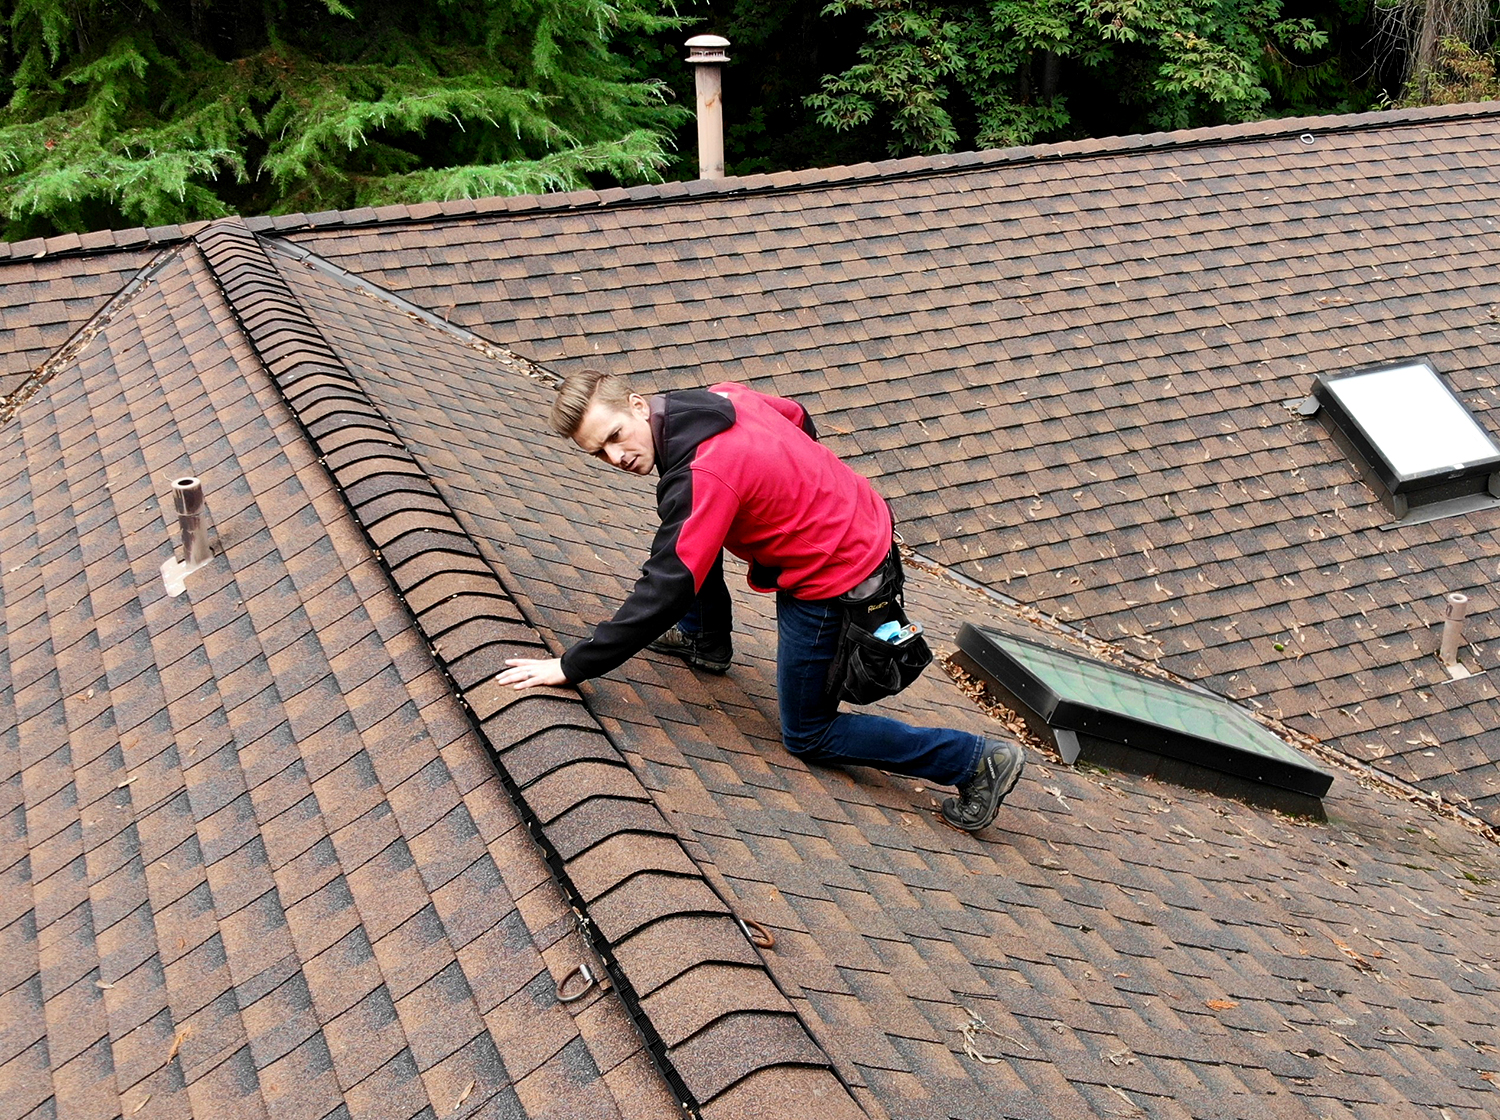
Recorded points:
(697, 510)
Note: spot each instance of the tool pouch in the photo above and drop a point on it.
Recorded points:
(866, 668)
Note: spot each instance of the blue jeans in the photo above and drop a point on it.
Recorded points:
(812, 727)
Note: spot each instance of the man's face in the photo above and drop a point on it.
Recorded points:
(619, 436)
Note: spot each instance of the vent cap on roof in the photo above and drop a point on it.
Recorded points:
(707, 54)
(707, 48)
(1428, 453)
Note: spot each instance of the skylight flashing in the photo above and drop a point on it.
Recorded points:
(1425, 452)
(1094, 711)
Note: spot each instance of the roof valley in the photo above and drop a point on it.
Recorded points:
(27, 387)
(649, 911)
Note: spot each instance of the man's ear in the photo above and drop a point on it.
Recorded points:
(640, 406)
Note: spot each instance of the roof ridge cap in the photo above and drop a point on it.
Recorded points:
(913, 167)
(619, 917)
(100, 241)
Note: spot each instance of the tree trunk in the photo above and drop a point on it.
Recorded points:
(1051, 74)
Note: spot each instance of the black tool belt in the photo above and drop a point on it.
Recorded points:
(866, 668)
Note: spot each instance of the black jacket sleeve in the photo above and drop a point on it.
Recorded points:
(662, 595)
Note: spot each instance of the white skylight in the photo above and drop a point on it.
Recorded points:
(1412, 419)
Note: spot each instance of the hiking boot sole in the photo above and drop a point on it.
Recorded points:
(709, 665)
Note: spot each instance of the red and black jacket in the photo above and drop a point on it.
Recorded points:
(742, 471)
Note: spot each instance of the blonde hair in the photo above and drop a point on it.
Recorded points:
(581, 389)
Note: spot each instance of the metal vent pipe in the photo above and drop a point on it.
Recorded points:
(1455, 608)
(187, 497)
(706, 53)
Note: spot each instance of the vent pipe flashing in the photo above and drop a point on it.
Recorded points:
(706, 53)
(187, 499)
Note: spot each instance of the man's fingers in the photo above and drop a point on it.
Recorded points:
(526, 672)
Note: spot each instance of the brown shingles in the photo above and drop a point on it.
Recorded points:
(229, 872)
(1194, 291)
(615, 702)
(47, 300)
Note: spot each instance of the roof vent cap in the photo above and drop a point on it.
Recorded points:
(187, 499)
(707, 48)
(706, 52)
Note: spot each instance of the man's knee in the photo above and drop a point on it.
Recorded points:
(808, 740)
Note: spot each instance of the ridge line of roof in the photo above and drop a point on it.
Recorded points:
(431, 566)
(780, 182)
(912, 167)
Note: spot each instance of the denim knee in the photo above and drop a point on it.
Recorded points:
(806, 743)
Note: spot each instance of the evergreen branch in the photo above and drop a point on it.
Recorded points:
(636, 157)
(114, 115)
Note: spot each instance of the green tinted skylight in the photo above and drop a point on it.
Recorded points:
(1091, 706)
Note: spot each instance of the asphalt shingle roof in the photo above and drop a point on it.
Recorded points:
(665, 935)
(1065, 368)
(43, 302)
(1103, 935)
(280, 846)
(256, 861)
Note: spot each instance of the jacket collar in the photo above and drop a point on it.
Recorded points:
(682, 420)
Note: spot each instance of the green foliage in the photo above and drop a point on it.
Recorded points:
(1341, 78)
(172, 110)
(913, 51)
(944, 73)
(1459, 74)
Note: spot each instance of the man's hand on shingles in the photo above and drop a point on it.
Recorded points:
(528, 672)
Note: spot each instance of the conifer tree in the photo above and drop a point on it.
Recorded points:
(157, 111)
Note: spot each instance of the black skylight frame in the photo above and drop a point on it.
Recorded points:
(1096, 734)
(1462, 485)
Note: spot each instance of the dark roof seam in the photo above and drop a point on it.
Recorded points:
(918, 167)
(231, 240)
(80, 338)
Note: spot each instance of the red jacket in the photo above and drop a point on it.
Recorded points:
(742, 471)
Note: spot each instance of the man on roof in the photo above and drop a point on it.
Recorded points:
(744, 471)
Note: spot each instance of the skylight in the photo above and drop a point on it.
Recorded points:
(1416, 437)
(1102, 713)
